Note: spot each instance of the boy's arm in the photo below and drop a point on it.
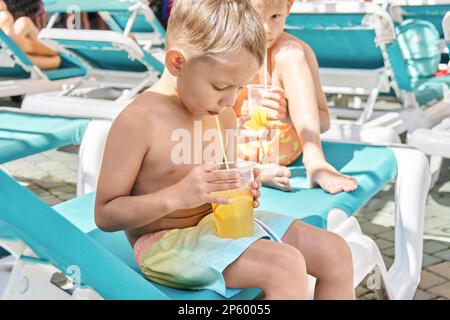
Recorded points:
(299, 86)
(124, 152)
(324, 115)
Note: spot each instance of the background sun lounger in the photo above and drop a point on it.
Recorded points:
(19, 76)
(432, 11)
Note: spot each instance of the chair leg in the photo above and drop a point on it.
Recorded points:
(90, 155)
(412, 185)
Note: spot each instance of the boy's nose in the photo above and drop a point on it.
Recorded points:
(227, 102)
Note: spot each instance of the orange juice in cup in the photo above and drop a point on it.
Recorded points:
(258, 113)
(235, 220)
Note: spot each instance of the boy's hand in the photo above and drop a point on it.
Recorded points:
(255, 187)
(276, 177)
(275, 100)
(196, 187)
(244, 115)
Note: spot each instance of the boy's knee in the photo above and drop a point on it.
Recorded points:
(287, 262)
(23, 21)
(340, 256)
(6, 20)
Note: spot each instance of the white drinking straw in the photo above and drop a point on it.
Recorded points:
(222, 144)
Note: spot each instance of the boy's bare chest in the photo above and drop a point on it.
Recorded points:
(174, 151)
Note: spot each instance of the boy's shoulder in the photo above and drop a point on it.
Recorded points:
(290, 47)
(141, 111)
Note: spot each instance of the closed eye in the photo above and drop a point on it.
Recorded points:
(218, 89)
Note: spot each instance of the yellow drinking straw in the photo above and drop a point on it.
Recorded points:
(221, 142)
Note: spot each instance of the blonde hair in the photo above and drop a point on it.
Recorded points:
(215, 27)
(261, 4)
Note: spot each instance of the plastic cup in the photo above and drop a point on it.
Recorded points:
(235, 220)
(258, 113)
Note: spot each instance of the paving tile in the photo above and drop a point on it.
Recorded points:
(389, 236)
(50, 184)
(361, 291)
(442, 269)
(431, 246)
(388, 262)
(390, 252)
(65, 197)
(429, 280)
(423, 295)
(383, 244)
(436, 222)
(383, 219)
(444, 255)
(51, 200)
(369, 296)
(375, 205)
(373, 229)
(428, 260)
(442, 290)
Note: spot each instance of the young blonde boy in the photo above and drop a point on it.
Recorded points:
(299, 111)
(214, 48)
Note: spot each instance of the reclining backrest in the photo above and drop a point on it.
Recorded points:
(350, 34)
(13, 62)
(419, 42)
(56, 240)
(123, 54)
(342, 35)
(64, 6)
(431, 11)
(115, 13)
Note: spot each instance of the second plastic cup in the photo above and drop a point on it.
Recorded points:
(235, 220)
(258, 114)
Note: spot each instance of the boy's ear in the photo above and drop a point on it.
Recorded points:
(174, 61)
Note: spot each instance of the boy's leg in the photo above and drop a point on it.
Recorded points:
(277, 268)
(32, 47)
(25, 27)
(45, 62)
(328, 259)
(6, 20)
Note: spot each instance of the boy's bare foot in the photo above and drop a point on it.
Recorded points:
(276, 177)
(329, 179)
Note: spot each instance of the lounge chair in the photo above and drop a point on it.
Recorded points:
(19, 76)
(59, 253)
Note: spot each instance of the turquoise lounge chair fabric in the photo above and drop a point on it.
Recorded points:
(98, 255)
(329, 38)
(93, 52)
(419, 42)
(372, 166)
(346, 41)
(62, 6)
(431, 13)
(106, 259)
(24, 134)
(140, 25)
